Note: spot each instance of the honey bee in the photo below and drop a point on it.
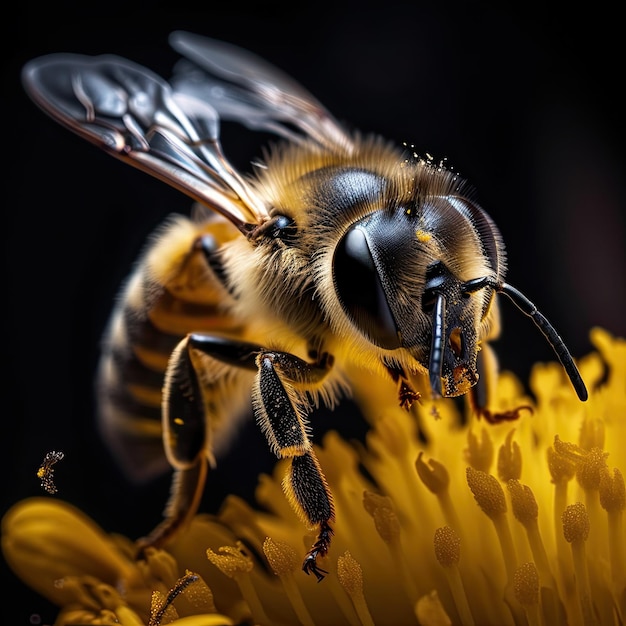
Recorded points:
(340, 250)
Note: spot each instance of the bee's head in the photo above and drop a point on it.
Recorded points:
(402, 275)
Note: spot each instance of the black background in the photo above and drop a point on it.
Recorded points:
(525, 102)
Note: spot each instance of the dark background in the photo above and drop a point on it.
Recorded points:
(524, 102)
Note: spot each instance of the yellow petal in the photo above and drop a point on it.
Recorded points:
(45, 540)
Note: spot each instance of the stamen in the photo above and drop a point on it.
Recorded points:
(430, 612)
(388, 528)
(489, 495)
(435, 477)
(479, 454)
(284, 561)
(588, 472)
(526, 511)
(509, 459)
(526, 589)
(195, 597)
(613, 501)
(236, 564)
(576, 530)
(592, 434)
(487, 492)
(351, 578)
(161, 609)
(161, 566)
(612, 490)
(448, 553)
(562, 469)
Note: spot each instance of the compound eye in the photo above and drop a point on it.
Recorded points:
(360, 290)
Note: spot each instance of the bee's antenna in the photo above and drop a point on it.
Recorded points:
(435, 362)
(549, 332)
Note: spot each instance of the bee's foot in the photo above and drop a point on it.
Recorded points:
(310, 566)
(319, 549)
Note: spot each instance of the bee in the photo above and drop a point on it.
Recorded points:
(340, 251)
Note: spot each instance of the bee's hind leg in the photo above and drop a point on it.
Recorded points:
(185, 439)
(186, 492)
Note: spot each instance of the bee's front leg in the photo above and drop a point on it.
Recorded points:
(280, 412)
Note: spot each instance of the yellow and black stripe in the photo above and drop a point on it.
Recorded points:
(177, 288)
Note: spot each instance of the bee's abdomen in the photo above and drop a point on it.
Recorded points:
(172, 292)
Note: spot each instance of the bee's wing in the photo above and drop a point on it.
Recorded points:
(244, 88)
(130, 112)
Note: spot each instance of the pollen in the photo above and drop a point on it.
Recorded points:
(350, 574)
(231, 561)
(575, 523)
(423, 236)
(447, 546)
(612, 490)
(487, 492)
(526, 584)
(523, 502)
(350, 577)
(562, 469)
(281, 556)
(590, 469)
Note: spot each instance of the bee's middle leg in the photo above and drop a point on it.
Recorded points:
(280, 407)
(282, 418)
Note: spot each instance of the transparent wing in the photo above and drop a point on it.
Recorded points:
(131, 112)
(244, 88)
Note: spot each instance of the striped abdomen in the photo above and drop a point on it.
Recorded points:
(172, 292)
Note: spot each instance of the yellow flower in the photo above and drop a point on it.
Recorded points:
(514, 523)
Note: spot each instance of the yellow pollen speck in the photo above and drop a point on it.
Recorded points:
(526, 584)
(423, 236)
(178, 421)
(281, 556)
(523, 502)
(447, 546)
(487, 492)
(575, 523)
